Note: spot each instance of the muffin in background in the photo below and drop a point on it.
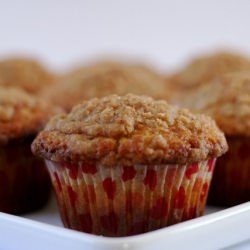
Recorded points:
(227, 100)
(206, 68)
(102, 79)
(128, 165)
(25, 73)
(25, 183)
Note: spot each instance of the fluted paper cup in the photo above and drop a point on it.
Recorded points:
(231, 182)
(25, 182)
(129, 200)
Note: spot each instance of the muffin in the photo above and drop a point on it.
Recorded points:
(206, 68)
(102, 79)
(25, 182)
(227, 100)
(26, 74)
(128, 165)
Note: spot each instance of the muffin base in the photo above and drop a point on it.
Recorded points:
(25, 182)
(129, 200)
(230, 185)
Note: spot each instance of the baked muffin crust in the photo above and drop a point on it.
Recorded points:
(22, 114)
(129, 130)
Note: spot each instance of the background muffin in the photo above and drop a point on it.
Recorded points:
(102, 79)
(127, 165)
(27, 74)
(25, 183)
(208, 67)
(227, 100)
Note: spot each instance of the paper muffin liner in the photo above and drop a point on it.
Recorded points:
(231, 181)
(25, 182)
(128, 200)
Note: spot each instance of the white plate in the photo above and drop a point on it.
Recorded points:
(216, 230)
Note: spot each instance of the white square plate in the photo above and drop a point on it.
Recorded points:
(228, 228)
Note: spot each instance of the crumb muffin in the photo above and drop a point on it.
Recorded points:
(103, 79)
(207, 68)
(25, 183)
(128, 165)
(227, 100)
(26, 74)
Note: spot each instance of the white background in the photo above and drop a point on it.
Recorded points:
(163, 33)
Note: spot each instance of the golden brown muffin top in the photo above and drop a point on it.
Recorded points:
(22, 114)
(106, 65)
(206, 68)
(102, 79)
(26, 74)
(129, 130)
(226, 99)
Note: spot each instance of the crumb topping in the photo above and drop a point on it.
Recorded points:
(129, 130)
(105, 79)
(22, 114)
(206, 68)
(26, 74)
(226, 99)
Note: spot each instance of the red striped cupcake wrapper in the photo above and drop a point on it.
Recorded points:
(129, 200)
